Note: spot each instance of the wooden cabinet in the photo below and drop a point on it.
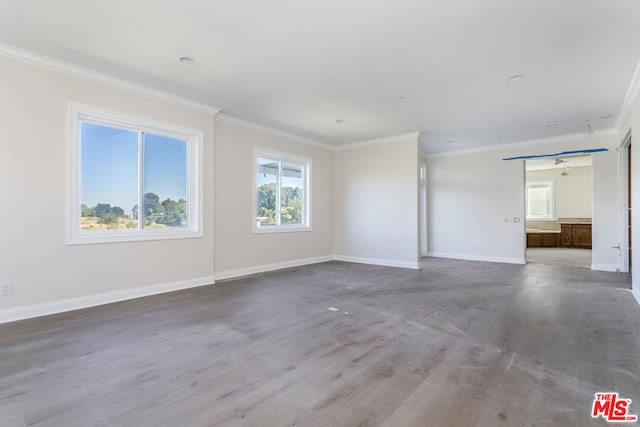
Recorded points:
(542, 240)
(581, 235)
(566, 235)
(575, 235)
(534, 240)
(549, 240)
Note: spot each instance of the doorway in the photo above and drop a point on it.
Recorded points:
(559, 195)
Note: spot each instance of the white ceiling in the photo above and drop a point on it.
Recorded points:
(558, 163)
(298, 66)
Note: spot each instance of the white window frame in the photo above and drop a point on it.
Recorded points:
(83, 113)
(550, 188)
(306, 201)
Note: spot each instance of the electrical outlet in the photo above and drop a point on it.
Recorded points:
(6, 288)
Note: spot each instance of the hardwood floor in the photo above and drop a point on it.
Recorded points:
(458, 343)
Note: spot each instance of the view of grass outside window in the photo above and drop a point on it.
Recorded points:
(540, 200)
(280, 193)
(132, 178)
(116, 163)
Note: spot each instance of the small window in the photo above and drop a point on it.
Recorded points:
(540, 201)
(133, 179)
(281, 192)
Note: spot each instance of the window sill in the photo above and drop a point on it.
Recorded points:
(280, 229)
(120, 237)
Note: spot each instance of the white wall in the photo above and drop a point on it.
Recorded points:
(34, 187)
(238, 250)
(376, 200)
(572, 193)
(472, 194)
(606, 207)
(473, 200)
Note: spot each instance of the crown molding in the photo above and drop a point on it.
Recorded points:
(43, 61)
(379, 141)
(227, 118)
(529, 143)
(632, 92)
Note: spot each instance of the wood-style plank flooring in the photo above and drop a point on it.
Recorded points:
(458, 343)
(560, 256)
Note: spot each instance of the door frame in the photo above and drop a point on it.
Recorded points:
(424, 246)
(625, 222)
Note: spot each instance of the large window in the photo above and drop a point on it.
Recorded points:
(281, 192)
(133, 179)
(540, 201)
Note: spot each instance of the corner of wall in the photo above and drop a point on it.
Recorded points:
(376, 261)
(376, 202)
(240, 272)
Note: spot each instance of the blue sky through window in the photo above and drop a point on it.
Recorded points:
(165, 167)
(109, 159)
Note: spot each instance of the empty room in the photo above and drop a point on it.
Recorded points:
(319, 213)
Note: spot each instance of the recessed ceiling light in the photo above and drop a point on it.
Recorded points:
(552, 125)
(340, 120)
(515, 78)
(184, 59)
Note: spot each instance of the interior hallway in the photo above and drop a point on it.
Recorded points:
(458, 343)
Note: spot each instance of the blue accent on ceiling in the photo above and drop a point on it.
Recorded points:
(563, 153)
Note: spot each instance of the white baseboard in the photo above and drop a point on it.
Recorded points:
(37, 310)
(20, 313)
(605, 267)
(230, 274)
(467, 257)
(375, 261)
(61, 306)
